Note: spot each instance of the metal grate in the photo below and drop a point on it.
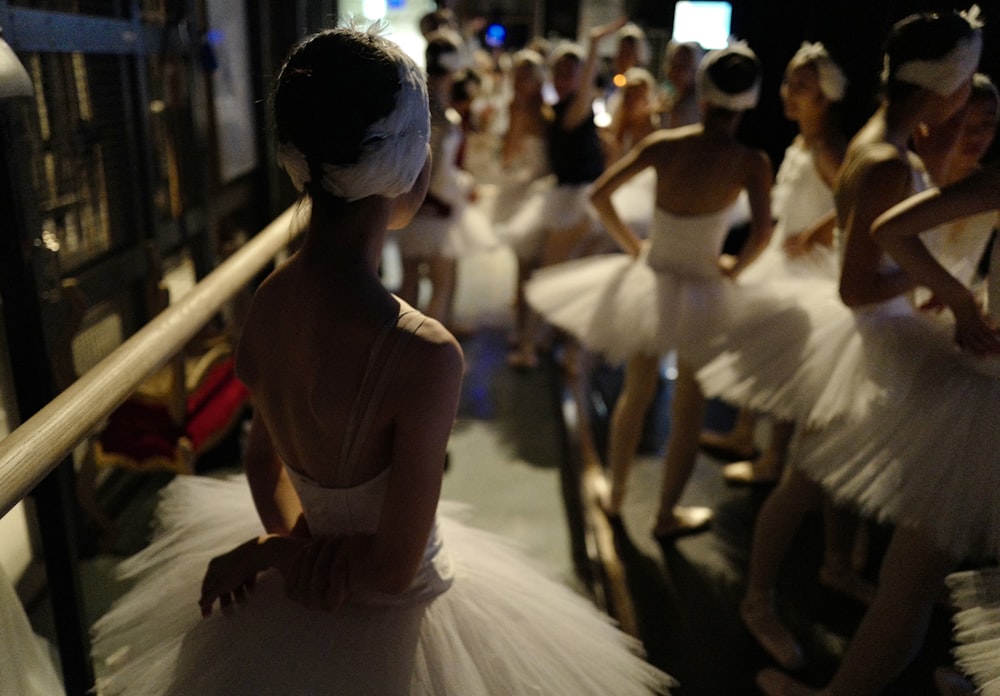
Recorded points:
(83, 171)
(102, 333)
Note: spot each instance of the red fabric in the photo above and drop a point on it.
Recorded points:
(141, 430)
(218, 412)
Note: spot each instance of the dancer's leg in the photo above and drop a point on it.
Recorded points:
(687, 413)
(778, 522)
(910, 580)
(443, 274)
(627, 419)
(838, 571)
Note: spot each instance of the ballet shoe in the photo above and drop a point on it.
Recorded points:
(847, 583)
(724, 445)
(748, 473)
(950, 683)
(774, 682)
(685, 520)
(771, 634)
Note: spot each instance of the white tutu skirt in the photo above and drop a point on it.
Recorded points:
(465, 231)
(817, 361)
(548, 206)
(926, 454)
(26, 666)
(619, 306)
(976, 594)
(501, 627)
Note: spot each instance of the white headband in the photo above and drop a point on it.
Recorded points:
(832, 81)
(709, 92)
(946, 74)
(393, 152)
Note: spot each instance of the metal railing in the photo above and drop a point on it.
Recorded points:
(34, 449)
(35, 457)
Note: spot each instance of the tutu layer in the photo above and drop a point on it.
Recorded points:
(502, 627)
(977, 626)
(465, 231)
(26, 667)
(927, 454)
(548, 206)
(815, 361)
(671, 297)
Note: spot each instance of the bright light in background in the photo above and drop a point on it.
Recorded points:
(708, 23)
(373, 9)
(401, 16)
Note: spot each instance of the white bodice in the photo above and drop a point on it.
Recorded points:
(688, 245)
(799, 197)
(356, 510)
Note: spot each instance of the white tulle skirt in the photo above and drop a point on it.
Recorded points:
(976, 594)
(818, 361)
(926, 454)
(619, 306)
(26, 666)
(501, 628)
(466, 230)
(548, 206)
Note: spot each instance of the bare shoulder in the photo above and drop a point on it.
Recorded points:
(438, 354)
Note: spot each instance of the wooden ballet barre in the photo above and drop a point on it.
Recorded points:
(34, 449)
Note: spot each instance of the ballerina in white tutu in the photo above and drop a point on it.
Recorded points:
(558, 218)
(360, 584)
(802, 245)
(671, 293)
(905, 358)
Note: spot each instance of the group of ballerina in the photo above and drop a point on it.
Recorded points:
(855, 316)
(363, 584)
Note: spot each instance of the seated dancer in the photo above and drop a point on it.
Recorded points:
(672, 293)
(361, 585)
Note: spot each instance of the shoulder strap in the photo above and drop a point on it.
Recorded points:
(373, 388)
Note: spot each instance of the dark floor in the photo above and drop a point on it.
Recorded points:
(512, 460)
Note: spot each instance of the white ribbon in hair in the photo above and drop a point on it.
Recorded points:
(710, 93)
(946, 74)
(393, 152)
(832, 81)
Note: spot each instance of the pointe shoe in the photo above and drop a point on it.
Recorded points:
(682, 522)
(773, 682)
(847, 583)
(749, 473)
(768, 630)
(726, 446)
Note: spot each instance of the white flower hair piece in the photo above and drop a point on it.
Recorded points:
(710, 93)
(832, 81)
(393, 151)
(946, 74)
